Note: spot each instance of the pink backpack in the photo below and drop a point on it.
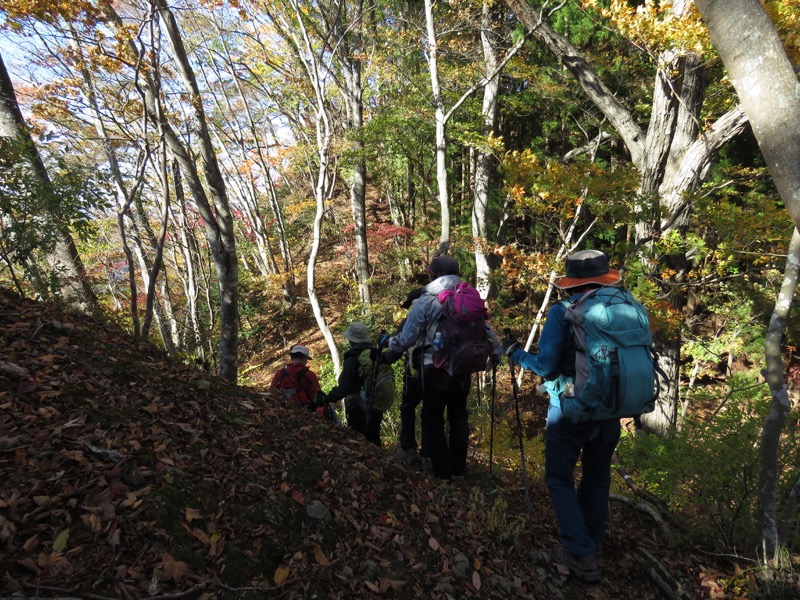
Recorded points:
(463, 345)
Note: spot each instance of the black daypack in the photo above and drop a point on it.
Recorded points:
(462, 343)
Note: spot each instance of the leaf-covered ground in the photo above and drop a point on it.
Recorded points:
(126, 475)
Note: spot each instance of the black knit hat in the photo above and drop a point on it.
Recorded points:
(443, 265)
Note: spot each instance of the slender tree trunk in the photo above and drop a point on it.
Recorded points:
(324, 179)
(773, 424)
(195, 340)
(350, 30)
(65, 261)
(219, 221)
(483, 160)
(251, 204)
(431, 54)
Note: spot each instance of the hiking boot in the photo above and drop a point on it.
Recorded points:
(427, 465)
(584, 567)
(406, 455)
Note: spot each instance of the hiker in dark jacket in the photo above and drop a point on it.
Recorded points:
(351, 381)
(581, 514)
(307, 382)
(442, 392)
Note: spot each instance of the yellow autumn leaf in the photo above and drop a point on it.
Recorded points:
(192, 513)
(281, 574)
(319, 556)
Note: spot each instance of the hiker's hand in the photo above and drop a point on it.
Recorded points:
(390, 356)
(383, 341)
(509, 344)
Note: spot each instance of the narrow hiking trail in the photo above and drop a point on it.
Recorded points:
(124, 474)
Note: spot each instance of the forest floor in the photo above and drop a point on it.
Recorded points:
(124, 474)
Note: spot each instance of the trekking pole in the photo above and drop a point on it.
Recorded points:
(491, 418)
(515, 390)
(373, 384)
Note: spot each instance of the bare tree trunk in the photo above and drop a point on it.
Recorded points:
(483, 160)
(190, 255)
(65, 261)
(219, 221)
(349, 30)
(773, 424)
(324, 180)
(441, 125)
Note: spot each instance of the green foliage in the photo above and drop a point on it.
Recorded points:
(708, 472)
(33, 210)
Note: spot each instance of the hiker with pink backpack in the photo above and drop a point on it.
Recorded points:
(449, 322)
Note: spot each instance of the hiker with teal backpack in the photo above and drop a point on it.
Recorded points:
(594, 355)
(365, 384)
(452, 350)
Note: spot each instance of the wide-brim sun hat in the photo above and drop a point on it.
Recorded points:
(357, 333)
(587, 266)
(443, 265)
(297, 349)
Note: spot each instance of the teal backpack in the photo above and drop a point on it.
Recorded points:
(378, 387)
(615, 368)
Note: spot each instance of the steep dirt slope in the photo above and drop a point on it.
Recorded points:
(126, 475)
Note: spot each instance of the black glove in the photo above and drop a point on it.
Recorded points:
(383, 341)
(318, 400)
(390, 356)
(509, 344)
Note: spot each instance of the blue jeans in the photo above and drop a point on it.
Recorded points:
(581, 514)
(443, 392)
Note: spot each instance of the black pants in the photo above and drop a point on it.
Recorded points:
(443, 392)
(368, 425)
(412, 396)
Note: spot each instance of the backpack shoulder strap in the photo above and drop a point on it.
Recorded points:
(303, 381)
